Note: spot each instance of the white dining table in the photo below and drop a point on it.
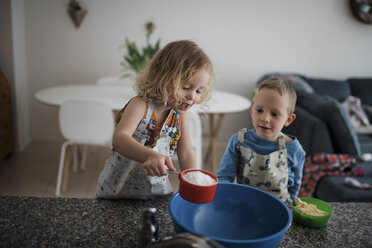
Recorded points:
(116, 96)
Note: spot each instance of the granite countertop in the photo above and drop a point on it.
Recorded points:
(71, 222)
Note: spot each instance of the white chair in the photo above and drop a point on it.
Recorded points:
(196, 136)
(83, 123)
(115, 81)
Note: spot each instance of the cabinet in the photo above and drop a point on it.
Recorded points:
(6, 135)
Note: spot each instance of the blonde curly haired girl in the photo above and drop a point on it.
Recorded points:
(153, 124)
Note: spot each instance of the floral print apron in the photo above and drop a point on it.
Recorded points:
(266, 172)
(124, 178)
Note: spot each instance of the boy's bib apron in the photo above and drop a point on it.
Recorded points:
(124, 178)
(266, 172)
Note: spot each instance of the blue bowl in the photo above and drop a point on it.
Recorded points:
(239, 216)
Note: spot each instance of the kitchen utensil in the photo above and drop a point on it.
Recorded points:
(194, 192)
(185, 240)
(310, 220)
(239, 216)
(148, 235)
(173, 172)
(149, 228)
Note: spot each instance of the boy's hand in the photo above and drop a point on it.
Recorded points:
(155, 165)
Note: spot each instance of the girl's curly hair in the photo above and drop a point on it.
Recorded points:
(170, 69)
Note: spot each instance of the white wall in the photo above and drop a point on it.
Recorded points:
(244, 39)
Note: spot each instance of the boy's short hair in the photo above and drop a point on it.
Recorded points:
(282, 86)
(171, 68)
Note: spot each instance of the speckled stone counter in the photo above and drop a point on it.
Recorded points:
(68, 222)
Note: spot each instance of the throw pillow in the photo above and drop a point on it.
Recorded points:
(368, 110)
(362, 88)
(357, 115)
(329, 109)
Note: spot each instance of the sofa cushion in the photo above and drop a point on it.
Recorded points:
(329, 109)
(308, 128)
(365, 142)
(334, 189)
(361, 88)
(338, 89)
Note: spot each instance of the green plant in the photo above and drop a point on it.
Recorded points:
(75, 5)
(136, 60)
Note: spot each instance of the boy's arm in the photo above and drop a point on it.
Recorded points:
(298, 164)
(185, 152)
(229, 162)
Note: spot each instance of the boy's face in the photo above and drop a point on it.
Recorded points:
(192, 92)
(269, 113)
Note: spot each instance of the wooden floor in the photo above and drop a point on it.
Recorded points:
(34, 172)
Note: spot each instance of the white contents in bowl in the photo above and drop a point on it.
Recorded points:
(199, 178)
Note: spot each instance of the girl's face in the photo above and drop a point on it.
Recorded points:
(191, 93)
(269, 113)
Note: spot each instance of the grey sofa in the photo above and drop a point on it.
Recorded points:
(323, 125)
(329, 128)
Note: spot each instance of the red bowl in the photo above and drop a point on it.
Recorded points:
(197, 193)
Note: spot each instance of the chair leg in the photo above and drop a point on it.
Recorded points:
(60, 169)
(75, 159)
(66, 169)
(83, 157)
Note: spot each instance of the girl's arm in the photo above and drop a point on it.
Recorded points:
(126, 145)
(185, 152)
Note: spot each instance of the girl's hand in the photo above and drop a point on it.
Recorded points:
(155, 165)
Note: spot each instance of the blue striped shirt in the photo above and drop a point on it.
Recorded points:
(295, 156)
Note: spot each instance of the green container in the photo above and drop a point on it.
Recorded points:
(310, 220)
